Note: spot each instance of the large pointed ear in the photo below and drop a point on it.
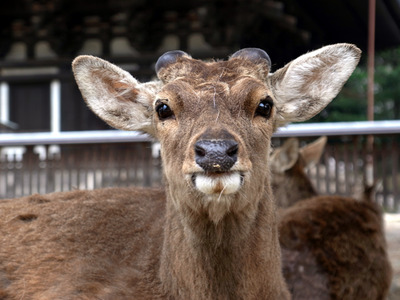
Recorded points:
(310, 154)
(307, 84)
(114, 95)
(284, 157)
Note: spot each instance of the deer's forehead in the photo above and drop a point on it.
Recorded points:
(200, 71)
(237, 91)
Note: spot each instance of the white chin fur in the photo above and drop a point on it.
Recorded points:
(218, 184)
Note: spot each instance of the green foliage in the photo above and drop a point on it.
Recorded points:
(387, 85)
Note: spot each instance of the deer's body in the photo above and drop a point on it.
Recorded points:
(82, 245)
(122, 240)
(332, 247)
(212, 233)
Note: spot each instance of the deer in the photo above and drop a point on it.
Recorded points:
(289, 163)
(211, 232)
(333, 247)
(288, 166)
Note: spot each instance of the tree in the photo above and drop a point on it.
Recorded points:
(387, 85)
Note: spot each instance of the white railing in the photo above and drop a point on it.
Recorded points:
(117, 136)
(71, 137)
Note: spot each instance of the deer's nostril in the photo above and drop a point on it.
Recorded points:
(200, 151)
(233, 150)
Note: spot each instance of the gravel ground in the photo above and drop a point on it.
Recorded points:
(392, 228)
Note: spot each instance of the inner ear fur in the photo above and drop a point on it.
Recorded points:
(114, 95)
(308, 84)
(285, 157)
(311, 153)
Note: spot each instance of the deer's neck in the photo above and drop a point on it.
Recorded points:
(238, 258)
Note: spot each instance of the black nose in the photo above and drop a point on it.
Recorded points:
(216, 155)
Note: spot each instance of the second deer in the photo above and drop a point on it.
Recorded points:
(333, 247)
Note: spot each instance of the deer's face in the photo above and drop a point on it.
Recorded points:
(214, 120)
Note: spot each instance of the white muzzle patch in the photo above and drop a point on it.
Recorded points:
(222, 184)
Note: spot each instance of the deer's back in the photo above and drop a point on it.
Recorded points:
(343, 247)
(81, 244)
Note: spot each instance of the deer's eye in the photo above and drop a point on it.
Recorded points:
(164, 111)
(264, 108)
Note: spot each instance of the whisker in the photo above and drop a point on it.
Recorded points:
(215, 92)
(220, 194)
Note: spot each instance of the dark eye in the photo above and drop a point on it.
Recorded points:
(164, 111)
(264, 108)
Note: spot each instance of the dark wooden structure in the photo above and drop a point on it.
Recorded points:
(285, 27)
(39, 38)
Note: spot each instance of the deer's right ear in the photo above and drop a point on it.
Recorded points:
(284, 157)
(114, 95)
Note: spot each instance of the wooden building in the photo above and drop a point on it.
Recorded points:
(39, 39)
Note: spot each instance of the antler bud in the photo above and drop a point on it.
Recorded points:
(168, 58)
(253, 54)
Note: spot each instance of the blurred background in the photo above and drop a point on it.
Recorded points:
(50, 141)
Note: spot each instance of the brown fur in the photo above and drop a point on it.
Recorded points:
(332, 247)
(82, 245)
(288, 166)
(185, 242)
(338, 241)
(300, 185)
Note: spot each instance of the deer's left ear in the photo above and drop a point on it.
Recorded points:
(311, 153)
(306, 85)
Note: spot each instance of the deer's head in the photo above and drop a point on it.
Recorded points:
(214, 120)
(289, 162)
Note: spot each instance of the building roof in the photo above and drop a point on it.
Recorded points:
(285, 28)
(333, 21)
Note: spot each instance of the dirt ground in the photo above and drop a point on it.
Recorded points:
(392, 227)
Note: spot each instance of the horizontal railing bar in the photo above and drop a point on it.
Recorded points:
(117, 136)
(72, 137)
(340, 128)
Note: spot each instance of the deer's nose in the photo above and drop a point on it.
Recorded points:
(216, 155)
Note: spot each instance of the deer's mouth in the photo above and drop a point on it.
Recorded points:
(218, 183)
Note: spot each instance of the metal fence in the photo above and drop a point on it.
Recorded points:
(344, 165)
(47, 162)
(46, 169)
